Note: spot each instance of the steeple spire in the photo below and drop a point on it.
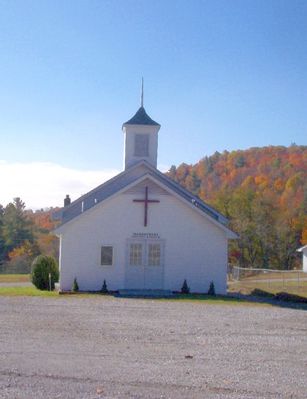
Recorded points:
(142, 93)
(141, 137)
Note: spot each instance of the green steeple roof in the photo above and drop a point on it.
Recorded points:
(141, 118)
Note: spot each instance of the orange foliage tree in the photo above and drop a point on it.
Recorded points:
(263, 192)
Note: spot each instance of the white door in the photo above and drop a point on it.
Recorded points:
(144, 264)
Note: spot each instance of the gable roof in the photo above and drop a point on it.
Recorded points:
(141, 118)
(127, 178)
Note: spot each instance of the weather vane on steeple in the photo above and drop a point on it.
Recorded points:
(142, 93)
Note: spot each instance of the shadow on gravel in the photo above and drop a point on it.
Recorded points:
(282, 300)
(233, 298)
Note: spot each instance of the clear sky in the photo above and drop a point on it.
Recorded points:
(219, 74)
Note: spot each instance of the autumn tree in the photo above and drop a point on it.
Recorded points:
(16, 227)
(43, 226)
(263, 192)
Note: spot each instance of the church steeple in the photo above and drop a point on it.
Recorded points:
(142, 94)
(141, 137)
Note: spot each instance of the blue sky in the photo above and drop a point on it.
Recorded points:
(218, 75)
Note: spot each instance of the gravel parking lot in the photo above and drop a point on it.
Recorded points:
(104, 347)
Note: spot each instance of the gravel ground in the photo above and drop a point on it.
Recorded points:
(103, 347)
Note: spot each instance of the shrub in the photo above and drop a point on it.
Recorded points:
(259, 292)
(104, 288)
(75, 286)
(40, 269)
(285, 296)
(185, 288)
(211, 290)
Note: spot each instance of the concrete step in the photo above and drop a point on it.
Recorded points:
(145, 293)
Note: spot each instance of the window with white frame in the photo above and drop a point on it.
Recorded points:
(141, 145)
(154, 254)
(136, 252)
(106, 255)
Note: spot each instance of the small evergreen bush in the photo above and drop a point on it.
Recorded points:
(185, 288)
(40, 269)
(104, 288)
(75, 286)
(211, 290)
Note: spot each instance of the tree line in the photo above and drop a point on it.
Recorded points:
(24, 234)
(263, 193)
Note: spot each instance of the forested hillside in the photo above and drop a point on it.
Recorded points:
(263, 192)
(24, 234)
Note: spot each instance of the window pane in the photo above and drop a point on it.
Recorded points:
(107, 255)
(154, 254)
(136, 254)
(141, 145)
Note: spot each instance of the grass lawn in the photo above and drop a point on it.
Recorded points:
(246, 287)
(204, 299)
(14, 278)
(25, 291)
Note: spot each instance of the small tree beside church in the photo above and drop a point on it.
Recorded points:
(42, 267)
(75, 286)
(185, 289)
(211, 290)
(104, 288)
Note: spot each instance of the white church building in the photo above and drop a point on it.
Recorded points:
(303, 250)
(141, 230)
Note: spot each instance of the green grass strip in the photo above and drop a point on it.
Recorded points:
(26, 291)
(211, 300)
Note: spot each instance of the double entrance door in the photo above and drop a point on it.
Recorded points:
(144, 264)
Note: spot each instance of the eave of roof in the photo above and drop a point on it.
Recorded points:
(301, 249)
(141, 118)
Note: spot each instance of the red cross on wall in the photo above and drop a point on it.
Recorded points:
(146, 202)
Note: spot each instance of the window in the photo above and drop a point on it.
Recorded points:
(106, 255)
(141, 145)
(154, 254)
(135, 254)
